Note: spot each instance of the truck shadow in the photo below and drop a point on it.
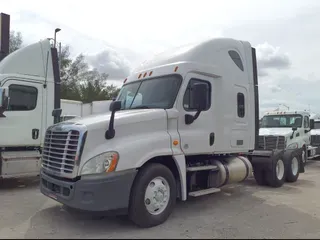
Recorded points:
(226, 210)
(16, 183)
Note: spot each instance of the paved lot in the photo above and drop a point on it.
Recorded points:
(239, 211)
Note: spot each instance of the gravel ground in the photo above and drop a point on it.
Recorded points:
(240, 211)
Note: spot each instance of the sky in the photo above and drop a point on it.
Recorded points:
(116, 36)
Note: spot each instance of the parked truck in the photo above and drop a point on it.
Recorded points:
(287, 130)
(184, 124)
(72, 109)
(315, 136)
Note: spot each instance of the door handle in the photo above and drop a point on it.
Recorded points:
(211, 139)
(35, 133)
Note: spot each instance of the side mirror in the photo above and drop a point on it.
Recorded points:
(114, 106)
(199, 101)
(56, 113)
(311, 124)
(4, 97)
(4, 100)
(199, 95)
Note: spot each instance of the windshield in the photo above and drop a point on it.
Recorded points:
(316, 125)
(158, 92)
(272, 121)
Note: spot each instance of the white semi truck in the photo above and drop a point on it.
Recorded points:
(184, 124)
(287, 130)
(315, 136)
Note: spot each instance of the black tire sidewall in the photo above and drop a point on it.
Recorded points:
(290, 177)
(272, 178)
(138, 212)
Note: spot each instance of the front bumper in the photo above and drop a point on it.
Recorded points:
(91, 193)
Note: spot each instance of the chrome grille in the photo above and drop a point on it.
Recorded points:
(60, 150)
(271, 142)
(315, 140)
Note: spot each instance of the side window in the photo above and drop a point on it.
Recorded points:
(306, 122)
(236, 59)
(241, 105)
(188, 103)
(22, 98)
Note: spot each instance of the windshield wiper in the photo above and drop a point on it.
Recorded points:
(140, 107)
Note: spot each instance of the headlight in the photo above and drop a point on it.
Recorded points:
(293, 146)
(105, 162)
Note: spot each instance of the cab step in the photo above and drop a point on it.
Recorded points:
(204, 192)
(202, 168)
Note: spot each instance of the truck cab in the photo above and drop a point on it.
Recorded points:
(29, 92)
(286, 130)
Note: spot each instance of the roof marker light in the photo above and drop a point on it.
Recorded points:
(125, 80)
(145, 74)
(150, 73)
(140, 75)
(176, 68)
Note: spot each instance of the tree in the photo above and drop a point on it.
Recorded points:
(15, 41)
(78, 81)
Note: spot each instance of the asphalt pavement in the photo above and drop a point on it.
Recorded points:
(239, 211)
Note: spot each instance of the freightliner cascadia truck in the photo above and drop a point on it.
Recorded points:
(184, 124)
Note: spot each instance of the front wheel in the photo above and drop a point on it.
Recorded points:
(153, 196)
(276, 176)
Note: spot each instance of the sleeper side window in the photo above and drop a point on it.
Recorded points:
(241, 105)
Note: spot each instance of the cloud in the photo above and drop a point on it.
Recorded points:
(111, 62)
(270, 57)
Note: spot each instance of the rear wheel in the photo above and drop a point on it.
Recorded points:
(153, 196)
(276, 176)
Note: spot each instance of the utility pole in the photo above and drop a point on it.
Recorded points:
(4, 35)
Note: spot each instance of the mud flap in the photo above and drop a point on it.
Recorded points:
(264, 159)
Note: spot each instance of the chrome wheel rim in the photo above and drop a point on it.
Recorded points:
(280, 169)
(295, 166)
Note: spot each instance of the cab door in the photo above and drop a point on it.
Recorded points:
(199, 136)
(22, 123)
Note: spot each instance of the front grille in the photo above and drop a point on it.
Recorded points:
(60, 151)
(271, 142)
(315, 140)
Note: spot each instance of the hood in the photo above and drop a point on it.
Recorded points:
(123, 117)
(315, 132)
(275, 131)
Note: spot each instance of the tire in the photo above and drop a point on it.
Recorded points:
(293, 168)
(260, 177)
(304, 155)
(276, 178)
(140, 206)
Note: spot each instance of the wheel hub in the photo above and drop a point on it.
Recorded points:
(157, 196)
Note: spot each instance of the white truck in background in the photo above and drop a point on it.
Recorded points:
(72, 109)
(315, 136)
(34, 90)
(287, 130)
(184, 124)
